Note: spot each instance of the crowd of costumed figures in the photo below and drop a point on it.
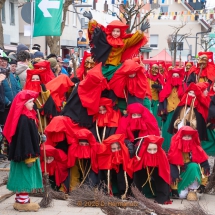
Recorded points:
(113, 122)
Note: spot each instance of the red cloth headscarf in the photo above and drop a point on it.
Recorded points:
(45, 65)
(90, 89)
(173, 82)
(110, 118)
(81, 69)
(77, 151)
(201, 104)
(121, 82)
(44, 75)
(156, 78)
(158, 159)
(17, 109)
(165, 71)
(59, 128)
(108, 160)
(147, 124)
(58, 88)
(178, 146)
(58, 167)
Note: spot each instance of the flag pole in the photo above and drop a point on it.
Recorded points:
(32, 23)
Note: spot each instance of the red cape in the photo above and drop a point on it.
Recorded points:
(175, 152)
(201, 103)
(58, 167)
(90, 89)
(108, 160)
(110, 118)
(158, 160)
(121, 82)
(166, 91)
(83, 152)
(59, 128)
(18, 108)
(147, 124)
(211, 91)
(58, 88)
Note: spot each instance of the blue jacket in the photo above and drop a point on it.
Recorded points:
(11, 88)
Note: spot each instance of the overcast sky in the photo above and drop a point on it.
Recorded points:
(210, 4)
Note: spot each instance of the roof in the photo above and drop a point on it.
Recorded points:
(162, 56)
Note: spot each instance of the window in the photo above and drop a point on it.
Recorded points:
(154, 41)
(67, 18)
(164, 9)
(3, 14)
(12, 13)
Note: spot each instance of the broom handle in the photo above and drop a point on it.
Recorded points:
(44, 147)
(44, 151)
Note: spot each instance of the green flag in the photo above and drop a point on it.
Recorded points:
(47, 17)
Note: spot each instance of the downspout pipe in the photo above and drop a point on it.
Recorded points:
(202, 32)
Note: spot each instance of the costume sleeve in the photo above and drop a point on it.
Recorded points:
(136, 37)
(92, 25)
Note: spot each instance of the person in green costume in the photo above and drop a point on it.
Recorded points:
(111, 45)
(188, 163)
(21, 132)
(169, 99)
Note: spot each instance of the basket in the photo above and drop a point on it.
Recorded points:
(192, 196)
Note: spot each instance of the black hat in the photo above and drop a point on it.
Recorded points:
(36, 47)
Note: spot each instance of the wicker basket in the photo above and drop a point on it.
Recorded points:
(192, 196)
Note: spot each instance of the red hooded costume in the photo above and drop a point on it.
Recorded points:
(58, 167)
(58, 88)
(165, 71)
(147, 124)
(178, 146)
(17, 109)
(201, 104)
(45, 65)
(208, 71)
(108, 160)
(110, 118)
(44, 75)
(77, 151)
(90, 89)
(120, 83)
(159, 159)
(59, 128)
(211, 91)
(173, 82)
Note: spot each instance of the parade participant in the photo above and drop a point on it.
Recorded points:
(45, 65)
(192, 111)
(188, 163)
(151, 166)
(56, 165)
(59, 88)
(111, 45)
(138, 123)
(169, 98)
(22, 135)
(188, 66)
(82, 159)
(156, 83)
(129, 81)
(204, 72)
(86, 65)
(162, 70)
(83, 102)
(36, 80)
(106, 120)
(115, 165)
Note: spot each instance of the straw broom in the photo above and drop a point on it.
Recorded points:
(49, 193)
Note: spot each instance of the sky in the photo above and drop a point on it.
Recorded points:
(210, 4)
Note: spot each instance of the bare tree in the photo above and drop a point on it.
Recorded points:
(1, 27)
(131, 13)
(207, 43)
(173, 41)
(53, 41)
